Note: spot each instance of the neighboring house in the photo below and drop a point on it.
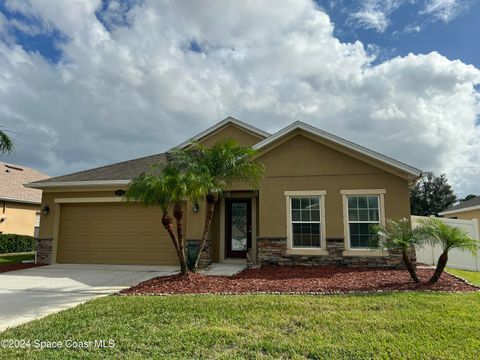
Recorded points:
(20, 206)
(319, 195)
(466, 210)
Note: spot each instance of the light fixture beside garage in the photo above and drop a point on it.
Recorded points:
(46, 210)
(120, 192)
(195, 207)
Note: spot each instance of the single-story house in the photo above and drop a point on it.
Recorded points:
(319, 195)
(20, 206)
(467, 210)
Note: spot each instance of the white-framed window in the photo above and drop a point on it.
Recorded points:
(305, 220)
(362, 209)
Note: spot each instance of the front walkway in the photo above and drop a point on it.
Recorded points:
(33, 293)
(218, 269)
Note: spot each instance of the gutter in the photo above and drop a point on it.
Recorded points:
(52, 184)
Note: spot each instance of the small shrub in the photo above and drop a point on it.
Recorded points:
(13, 243)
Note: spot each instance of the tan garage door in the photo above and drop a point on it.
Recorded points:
(113, 233)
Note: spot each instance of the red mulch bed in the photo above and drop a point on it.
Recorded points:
(12, 267)
(298, 279)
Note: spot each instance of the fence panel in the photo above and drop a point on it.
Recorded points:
(456, 259)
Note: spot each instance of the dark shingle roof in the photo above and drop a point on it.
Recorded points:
(125, 170)
(465, 204)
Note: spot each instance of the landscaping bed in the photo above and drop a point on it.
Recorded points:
(298, 279)
(11, 262)
(13, 267)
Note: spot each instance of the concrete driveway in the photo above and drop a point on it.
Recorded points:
(30, 294)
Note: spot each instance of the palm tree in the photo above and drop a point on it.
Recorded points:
(448, 238)
(399, 235)
(6, 143)
(221, 165)
(168, 188)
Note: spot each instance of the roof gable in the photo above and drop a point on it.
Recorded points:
(229, 121)
(266, 145)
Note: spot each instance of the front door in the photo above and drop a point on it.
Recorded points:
(238, 237)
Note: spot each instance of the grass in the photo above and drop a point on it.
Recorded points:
(471, 276)
(393, 325)
(15, 258)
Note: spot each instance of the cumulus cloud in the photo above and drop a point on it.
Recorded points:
(139, 87)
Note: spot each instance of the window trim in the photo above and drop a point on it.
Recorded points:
(291, 250)
(349, 251)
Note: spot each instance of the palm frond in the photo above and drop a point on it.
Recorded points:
(448, 237)
(7, 145)
(396, 235)
(225, 163)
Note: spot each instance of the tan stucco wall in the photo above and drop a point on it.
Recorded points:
(303, 164)
(20, 218)
(466, 215)
(231, 131)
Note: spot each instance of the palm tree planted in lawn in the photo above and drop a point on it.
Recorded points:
(223, 164)
(168, 188)
(6, 143)
(448, 238)
(399, 235)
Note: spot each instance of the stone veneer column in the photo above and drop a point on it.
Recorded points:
(43, 247)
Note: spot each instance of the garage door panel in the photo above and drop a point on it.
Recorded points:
(113, 233)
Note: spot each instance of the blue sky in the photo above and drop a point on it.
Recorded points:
(88, 83)
(456, 36)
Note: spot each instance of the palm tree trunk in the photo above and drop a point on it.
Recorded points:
(410, 266)
(178, 214)
(442, 262)
(168, 225)
(211, 201)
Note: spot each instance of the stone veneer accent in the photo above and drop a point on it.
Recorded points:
(43, 247)
(271, 251)
(206, 256)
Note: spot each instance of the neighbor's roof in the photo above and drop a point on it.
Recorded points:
(12, 178)
(472, 204)
(115, 174)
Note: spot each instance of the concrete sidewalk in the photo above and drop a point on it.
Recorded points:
(33, 293)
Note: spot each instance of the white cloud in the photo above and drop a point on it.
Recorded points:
(445, 10)
(375, 14)
(138, 90)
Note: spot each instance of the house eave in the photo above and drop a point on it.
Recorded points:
(20, 201)
(60, 184)
(456, 211)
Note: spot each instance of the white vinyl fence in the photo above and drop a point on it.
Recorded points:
(456, 259)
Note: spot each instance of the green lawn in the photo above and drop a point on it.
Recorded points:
(15, 258)
(394, 325)
(471, 276)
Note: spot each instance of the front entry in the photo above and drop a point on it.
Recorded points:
(238, 237)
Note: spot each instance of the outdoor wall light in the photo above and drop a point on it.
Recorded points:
(46, 210)
(120, 192)
(195, 208)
